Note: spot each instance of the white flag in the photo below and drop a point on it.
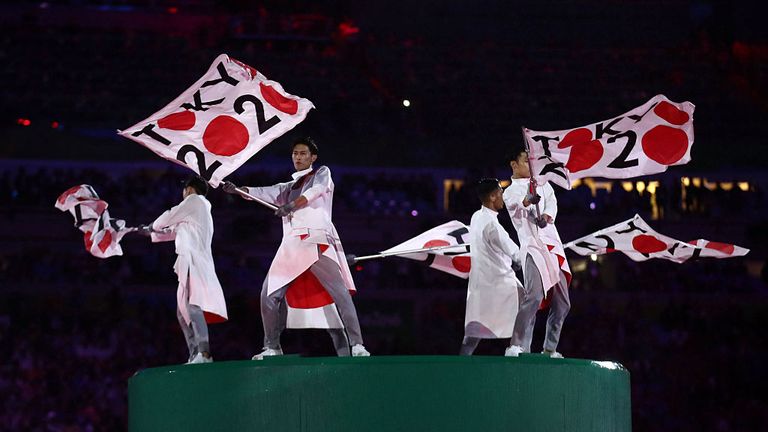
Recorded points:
(643, 141)
(636, 239)
(455, 261)
(101, 233)
(227, 116)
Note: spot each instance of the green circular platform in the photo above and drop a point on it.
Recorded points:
(383, 393)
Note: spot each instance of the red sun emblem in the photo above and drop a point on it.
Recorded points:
(647, 244)
(225, 136)
(671, 113)
(278, 101)
(180, 121)
(721, 247)
(665, 144)
(585, 152)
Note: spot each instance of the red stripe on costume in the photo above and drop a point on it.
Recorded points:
(306, 292)
(212, 318)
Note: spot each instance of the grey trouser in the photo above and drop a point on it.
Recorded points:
(530, 299)
(196, 332)
(274, 311)
(468, 345)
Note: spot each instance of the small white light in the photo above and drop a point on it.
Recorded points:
(406, 103)
(593, 257)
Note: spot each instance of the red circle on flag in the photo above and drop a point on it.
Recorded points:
(576, 136)
(584, 156)
(722, 247)
(461, 263)
(585, 151)
(671, 113)
(280, 102)
(88, 241)
(648, 244)
(105, 241)
(179, 121)
(435, 243)
(225, 136)
(665, 145)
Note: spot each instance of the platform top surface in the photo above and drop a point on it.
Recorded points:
(296, 360)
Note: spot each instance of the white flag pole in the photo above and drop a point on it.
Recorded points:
(407, 252)
(532, 182)
(242, 192)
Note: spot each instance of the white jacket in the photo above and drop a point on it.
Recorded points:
(191, 226)
(492, 291)
(533, 240)
(304, 231)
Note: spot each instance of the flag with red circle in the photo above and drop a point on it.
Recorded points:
(636, 239)
(101, 233)
(454, 261)
(226, 117)
(643, 141)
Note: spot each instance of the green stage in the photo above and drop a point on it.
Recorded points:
(383, 393)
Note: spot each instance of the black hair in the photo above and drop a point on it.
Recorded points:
(485, 187)
(515, 153)
(198, 184)
(307, 141)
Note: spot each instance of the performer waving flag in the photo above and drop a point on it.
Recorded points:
(637, 240)
(310, 270)
(645, 140)
(541, 254)
(492, 294)
(199, 297)
(226, 117)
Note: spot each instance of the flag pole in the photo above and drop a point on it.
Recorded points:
(532, 182)
(242, 192)
(355, 259)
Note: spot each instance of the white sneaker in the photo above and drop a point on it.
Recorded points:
(552, 354)
(268, 352)
(513, 351)
(360, 351)
(199, 359)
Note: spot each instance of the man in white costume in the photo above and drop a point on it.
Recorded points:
(492, 293)
(200, 299)
(310, 252)
(545, 268)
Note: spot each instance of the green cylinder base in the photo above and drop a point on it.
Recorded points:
(383, 393)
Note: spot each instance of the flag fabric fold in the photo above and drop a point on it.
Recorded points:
(101, 233)
(637, 240)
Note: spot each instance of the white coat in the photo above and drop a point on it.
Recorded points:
(307, 232)
(191, 226)
(492, 294)
(533, 240)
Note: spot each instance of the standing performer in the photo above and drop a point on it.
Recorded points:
(492, 294)
(199, 297)
(310, 245)
(542, 255)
